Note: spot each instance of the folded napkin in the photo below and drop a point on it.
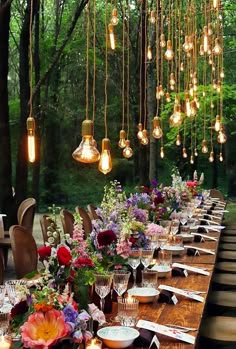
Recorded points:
(192, 252)
(202, 230)
(198, 238)
(167, 297)
(145, 338)
(179, 272)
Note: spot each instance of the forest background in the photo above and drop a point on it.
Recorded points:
(59, 79)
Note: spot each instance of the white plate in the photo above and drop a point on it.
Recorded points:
(162, 270)
(174, 249)
(187, 237)
(117, 336)
(144, 294)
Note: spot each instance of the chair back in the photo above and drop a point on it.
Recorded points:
(86, 221)
(25, 214)
(92, 212)
(1, 266)
(215, 193)
(48, 225)
(67, 220)
(24, 250)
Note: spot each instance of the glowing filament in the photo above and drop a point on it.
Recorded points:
(111, 36)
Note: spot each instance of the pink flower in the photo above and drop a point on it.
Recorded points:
(153, 229)
(83, 262)
(43, 329)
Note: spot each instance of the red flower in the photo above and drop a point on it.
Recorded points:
(64, 256)
(44, 252)
(105, 238)
(19, 309)
(158, 200)
(83, 262)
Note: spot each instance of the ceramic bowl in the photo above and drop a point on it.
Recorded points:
(176, 250)
(162, 270)
(187, 237)
(144, 294)
(117, 336)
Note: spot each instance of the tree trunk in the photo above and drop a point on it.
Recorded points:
(6, 198)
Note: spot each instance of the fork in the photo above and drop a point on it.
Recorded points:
(194, 291)
(181, 328)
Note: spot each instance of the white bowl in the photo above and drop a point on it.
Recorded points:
(144, 294)
(117, 336)
(162, 270)
(176, 250)
(187, 237)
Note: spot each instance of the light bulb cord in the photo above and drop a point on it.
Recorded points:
(31, 60)
(94, 58)
(128, 72)
(106, 75)
(87, 62)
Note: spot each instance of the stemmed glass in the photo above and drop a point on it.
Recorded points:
(183, 218)
(174, 227)
(103, 286)
(120, 281)
(134, 261)
(163, 238)
(147, 257)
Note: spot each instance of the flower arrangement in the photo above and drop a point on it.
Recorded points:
(46, 317)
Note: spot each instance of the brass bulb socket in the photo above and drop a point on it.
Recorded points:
(114, 12)
(87, 128)
(140, 126)
(106, 144)
(30, 123)
(156, 122)
(111, 28)
(127, 143)
(169, 44)
(122, 134)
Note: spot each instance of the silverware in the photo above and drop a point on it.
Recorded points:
(181, 328)
(194, 291)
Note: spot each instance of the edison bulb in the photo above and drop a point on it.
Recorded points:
(168, 99)
(222, 74)
(111, 36)
(122, 142)
(176, 118)
(210, 29)
(162, 41)
(182, 66)
(195, 152)
(201, 51)
(221, 138)
(178, 140)
(30, 124)
(217, 123)
(217, 49)
(140, 131)
(172, 79)
(204, 147)
(169, 54)
(105, 162)
(184, 153)
(205, 40)
(191, 160)
(211, 157)
(157, 131)
(114, 17)
(193, 107)
(162, 153)
(215, 4)
(127, 152)
(149, 53)
(144, 140)
(152, 17)
(186, 45)
(187, 105)
(221, 157)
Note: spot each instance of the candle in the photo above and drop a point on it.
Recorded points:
(4, 343)
(130, 299)
(93, 344)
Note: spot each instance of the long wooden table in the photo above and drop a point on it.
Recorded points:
(186, 312)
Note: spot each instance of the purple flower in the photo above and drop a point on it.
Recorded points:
(70, 314)
(140, 215)
(154, 183)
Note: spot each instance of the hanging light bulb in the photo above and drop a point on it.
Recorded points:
(201, 51)
(210, 29)
(221, 157)
(152, 17)
(184, 153)
(162, 153)
(157, 131)
(178, 140)
(114, 17)
(186, 44)
(30, 125)
(222, 74)
(221, 138)
(195, 152)
(210, 61)
(215, 4)
(211, 157)
(122, 142)
(191, 160)
(144, 139)
(212, 105)
(127, 152)
(193, 107)
(205, 40)
(176, 118)
(217, 49)
(140, 131)
(204, 147)
(169, 54)
(196, 99)
(187, 105)
(168, 99)
(162, 41)
(214, 85)
(149, 53)
(111, 36)
(182, 66)
(194, 78)
(191, 91)
(86, 151)
(219, 87)
(172, 79)
(105, 162)
(217, 123)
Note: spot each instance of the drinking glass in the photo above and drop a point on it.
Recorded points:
(2, 294)
(174, 227)
(120, 281)
(4, 323)
(153, 241)
(147, 257)
(16, 290)
(149, 278)
(165, 258)
(163, 238)
(134, 261)
(183, 218)
(103, 286)
(128, 311)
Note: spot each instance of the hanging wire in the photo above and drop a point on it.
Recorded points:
(141, 62)
(123, 69)
(106, 74)
(94, 58)
(31, 60)
(87, 61)
(128, 72)
(145, 68)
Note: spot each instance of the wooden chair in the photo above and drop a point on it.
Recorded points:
(86, 221)
(1, 267)
(24, 250)
(25, 214)
(92, 212)
(67, 220)
(215, 193)
(48, 225)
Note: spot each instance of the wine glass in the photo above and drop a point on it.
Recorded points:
(147, 257)
(103, 286)
(134, 261)
(163, 238)
(183, 218)
(174, 227)
(16, 290)
(120, 281)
